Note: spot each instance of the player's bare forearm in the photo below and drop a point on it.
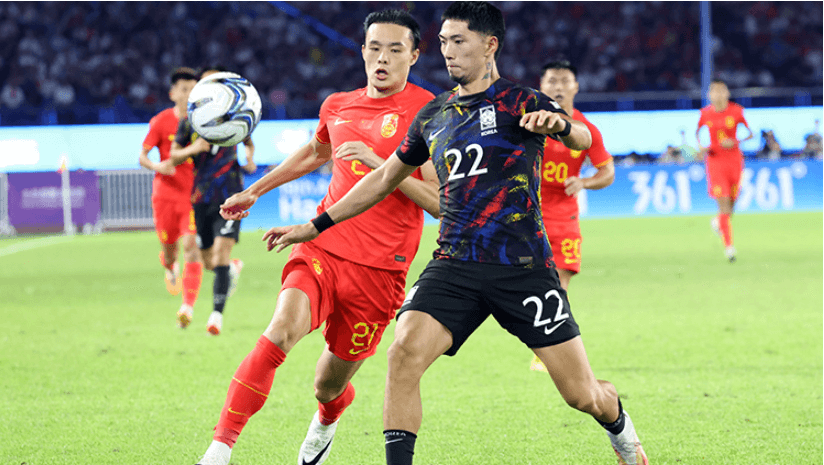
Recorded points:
(579, 137)
(144, 160)
(371, 189)
(299, 163)
(425, 193)
(178, 155)
(602, 178)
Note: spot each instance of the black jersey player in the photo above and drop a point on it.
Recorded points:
(485, 138)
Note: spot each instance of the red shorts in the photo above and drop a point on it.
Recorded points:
(723, 179)
(565, 240)
(357, 302)
(172, 220)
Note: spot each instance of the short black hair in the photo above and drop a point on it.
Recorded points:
(183, 73)
(483, 17)
(219, 67)
(399, 17)
(560, 64)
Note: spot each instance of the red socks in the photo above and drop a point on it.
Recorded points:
(330, 412)
(726, 228)
(192, 277)
(248, 390)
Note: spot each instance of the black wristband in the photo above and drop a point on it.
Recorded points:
(323, 222)
(567, 129)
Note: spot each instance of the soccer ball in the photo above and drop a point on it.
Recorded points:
(224, 108)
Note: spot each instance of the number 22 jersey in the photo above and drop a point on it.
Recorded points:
(489, 170)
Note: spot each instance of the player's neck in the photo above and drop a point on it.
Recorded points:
(483, 82)
(180, 110)
(721, 106)
(569, 109)
(375, 92)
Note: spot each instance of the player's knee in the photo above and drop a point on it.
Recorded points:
(406, 356)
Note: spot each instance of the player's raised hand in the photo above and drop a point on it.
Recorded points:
(236, 207)
(573, 185)
(281, 237)
(543, 122)
(357, 150)
(202, 145)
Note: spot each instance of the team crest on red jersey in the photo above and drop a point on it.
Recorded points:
(390, 125)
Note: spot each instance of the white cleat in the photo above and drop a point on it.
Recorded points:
(716, 228)
(730, 253)
(215, 323)
(235, 267)
(315, 448)
(627, 446)
(217, 454)
(184, 316)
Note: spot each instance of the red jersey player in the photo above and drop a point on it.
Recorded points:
(724, 159)
(354, 279)
(560, 180)
(171, 189)
(560, 174)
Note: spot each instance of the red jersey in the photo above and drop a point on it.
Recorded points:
(561, 162)
(723, 125)
(178, 187)
(387, 235)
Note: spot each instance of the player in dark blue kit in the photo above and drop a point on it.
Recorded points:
(486, 139)
(217, 177)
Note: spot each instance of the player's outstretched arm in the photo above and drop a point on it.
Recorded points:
(423, 192)
(573, 134)
(300, 162)
(370, 190)
(601, 179)
(178, 154)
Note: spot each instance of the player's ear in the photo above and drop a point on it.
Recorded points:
(415, 55)
(491, 46)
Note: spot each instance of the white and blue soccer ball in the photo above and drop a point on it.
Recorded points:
(224, 108)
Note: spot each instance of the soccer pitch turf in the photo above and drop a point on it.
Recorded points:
(717, 363)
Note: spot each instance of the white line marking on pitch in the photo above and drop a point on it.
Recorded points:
(33, 244)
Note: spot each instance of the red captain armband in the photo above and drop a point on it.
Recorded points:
(323, 222)
(567, 129)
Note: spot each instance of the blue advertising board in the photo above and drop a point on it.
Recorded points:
(650, 190)
(641, 190)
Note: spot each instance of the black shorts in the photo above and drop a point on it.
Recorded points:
(210, 224)
(527, 302)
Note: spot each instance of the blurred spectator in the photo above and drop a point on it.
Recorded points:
(672, 155)
(770, 148)
(12, 95)
(111, 51)
(812, 142)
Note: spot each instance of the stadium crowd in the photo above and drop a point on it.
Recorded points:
(108, 61)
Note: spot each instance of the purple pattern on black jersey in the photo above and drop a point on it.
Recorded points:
(489, 170)
(217, 173)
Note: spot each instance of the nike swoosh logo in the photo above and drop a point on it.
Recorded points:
(551, 330)
(315, 460)
(342, 121)
(435, 134)
(394, 440)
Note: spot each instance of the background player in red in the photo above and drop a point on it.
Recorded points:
(561, 181)
(173, 215)
(353, 278)
(560, 174)
(724, 159)
(217, 177)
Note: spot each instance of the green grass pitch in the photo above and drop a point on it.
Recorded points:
(717, 363)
